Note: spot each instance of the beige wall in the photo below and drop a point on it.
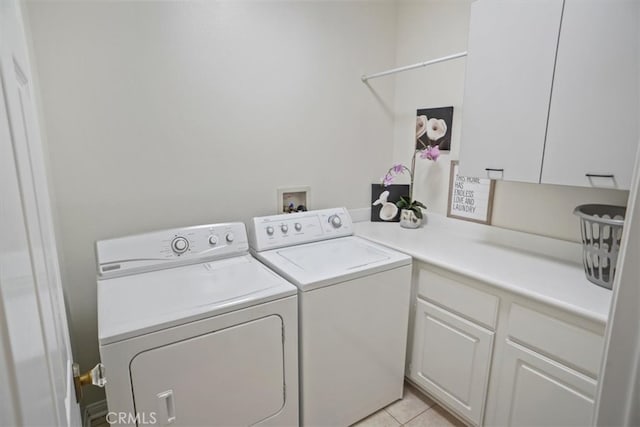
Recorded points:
(433, 28)
(163, 114)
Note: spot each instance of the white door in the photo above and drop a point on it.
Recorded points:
(36, 386)
(451, 359)
(537, 391)
(618, 400)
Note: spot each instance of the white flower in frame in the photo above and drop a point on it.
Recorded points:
(421, 126)
(436, 129)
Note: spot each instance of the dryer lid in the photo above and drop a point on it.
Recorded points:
(143, 303)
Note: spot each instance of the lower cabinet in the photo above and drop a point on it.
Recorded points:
(451, 359)
(534, 390)
(496, 358)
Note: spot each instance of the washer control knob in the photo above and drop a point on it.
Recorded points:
(229, 237)
(270, 230)
(335, 221)
(179, 245)
(298, 226)
(284, 228)
(213, 240)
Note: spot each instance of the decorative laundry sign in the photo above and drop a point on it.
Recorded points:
(470, 198)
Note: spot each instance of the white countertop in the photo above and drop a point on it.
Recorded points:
(540, 268)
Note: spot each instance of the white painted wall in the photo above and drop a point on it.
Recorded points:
(163, 114)
(433, 28)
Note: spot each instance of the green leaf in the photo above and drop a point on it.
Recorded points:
(402, 203)
(418, 213)
(417, 203)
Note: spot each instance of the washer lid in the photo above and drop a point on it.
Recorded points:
(328, 262)
(143, 303)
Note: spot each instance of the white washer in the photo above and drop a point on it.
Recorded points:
(195, 331)
(353, 312)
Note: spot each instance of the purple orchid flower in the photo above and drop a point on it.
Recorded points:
(431, 153)
(387, 180)
(399, 168)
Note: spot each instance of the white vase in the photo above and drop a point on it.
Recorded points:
(408, 219)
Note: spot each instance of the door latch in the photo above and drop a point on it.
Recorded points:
(95, 376)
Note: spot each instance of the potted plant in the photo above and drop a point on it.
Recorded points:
(411, 209)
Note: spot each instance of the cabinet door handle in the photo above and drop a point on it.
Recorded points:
(599, 175)
(495, 173)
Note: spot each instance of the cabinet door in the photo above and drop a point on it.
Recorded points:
(537, 391)
(593, 118)
(450, 360)
(512, 49)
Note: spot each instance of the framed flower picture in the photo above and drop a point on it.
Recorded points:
(433, 127)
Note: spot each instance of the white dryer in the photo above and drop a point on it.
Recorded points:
(354, 298)
(194, 331)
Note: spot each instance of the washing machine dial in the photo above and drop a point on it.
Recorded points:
(213, 240)
(335, 221)
(270, 230)
(284, 228)
(229, 237)
(298, 226)
(179, 245)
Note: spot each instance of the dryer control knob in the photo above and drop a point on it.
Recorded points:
(270, 230)
(284, 228)
(335, 221)
(298, 226)
(213, 240)
(229, 237)
(179, 245)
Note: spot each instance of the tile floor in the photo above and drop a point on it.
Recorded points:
(413, 410)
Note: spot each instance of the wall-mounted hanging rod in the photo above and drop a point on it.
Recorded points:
(411, 67)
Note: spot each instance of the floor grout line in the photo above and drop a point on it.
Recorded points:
(432, 405)
(429, 408)
(390, 414)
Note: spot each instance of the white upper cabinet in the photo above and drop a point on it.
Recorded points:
(551, 92)
(511, 53)
(593, 119)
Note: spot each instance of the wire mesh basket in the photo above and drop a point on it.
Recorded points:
(601, 228)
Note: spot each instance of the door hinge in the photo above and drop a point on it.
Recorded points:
(95, 376)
